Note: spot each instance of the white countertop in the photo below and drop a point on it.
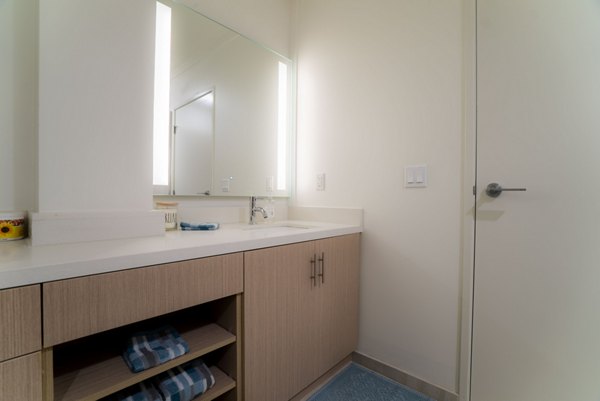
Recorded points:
(23, 264)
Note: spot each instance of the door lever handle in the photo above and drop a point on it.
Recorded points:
(494, 190)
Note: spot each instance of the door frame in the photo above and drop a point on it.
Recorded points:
(469, 176)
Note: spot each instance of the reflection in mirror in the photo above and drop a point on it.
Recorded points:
(193, 146)
(251, 145)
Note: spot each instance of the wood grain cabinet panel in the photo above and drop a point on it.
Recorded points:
(82, 306)
(21, 378)
(338, 320)
(297, 327)
(278, 355)
(20, 321)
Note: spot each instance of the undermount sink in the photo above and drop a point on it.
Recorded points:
(284, 227)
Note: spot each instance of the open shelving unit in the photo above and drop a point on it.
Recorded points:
(83, 371)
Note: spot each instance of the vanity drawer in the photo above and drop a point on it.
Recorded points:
(20, 321)
(21, 378)
(82, 306)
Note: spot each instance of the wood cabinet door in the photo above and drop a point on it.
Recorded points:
(338, 298)
(279, 325)
(21, 378)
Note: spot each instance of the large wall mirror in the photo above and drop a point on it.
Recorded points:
(231, 105)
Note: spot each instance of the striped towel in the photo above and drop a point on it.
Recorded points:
(150, 348)
(199, 227)
(140, 392)
(185, 382)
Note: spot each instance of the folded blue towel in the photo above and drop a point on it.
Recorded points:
(198, 227)
(144, 391)
(185, 382)
(150, 348)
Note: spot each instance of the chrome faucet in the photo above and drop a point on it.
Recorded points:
(254, 209)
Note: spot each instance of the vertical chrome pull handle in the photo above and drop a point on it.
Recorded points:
(313, 266)
(322, 263)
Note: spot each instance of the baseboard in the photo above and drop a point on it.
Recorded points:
(430, 390)
(317, 384)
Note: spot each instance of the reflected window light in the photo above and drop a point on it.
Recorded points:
(282, 124)
(162, 72)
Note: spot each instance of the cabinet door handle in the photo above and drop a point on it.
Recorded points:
(313, 265)
(322, 262)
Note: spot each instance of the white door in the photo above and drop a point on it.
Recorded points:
(536, 324)
(193, 143)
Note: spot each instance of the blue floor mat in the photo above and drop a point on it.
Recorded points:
(355, 383)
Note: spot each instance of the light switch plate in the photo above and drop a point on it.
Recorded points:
(415, 176)
(225, 185)
(321, 182)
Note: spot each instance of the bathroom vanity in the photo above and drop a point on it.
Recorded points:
(268, 309)
(300, 314)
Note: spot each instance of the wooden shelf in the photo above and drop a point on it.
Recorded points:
(110, 374)
(223, 384)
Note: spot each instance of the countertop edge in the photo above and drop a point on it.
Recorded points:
(174, 247)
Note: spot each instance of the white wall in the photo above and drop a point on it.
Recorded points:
(96, 104)
(380, 87)
(265, 21)
(18, 104)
